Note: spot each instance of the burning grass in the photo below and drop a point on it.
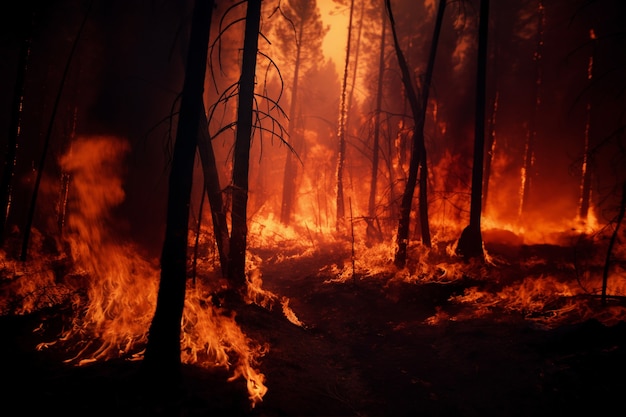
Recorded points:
(341, 314)
(312, 280)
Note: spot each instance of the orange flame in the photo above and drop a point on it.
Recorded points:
(112, 317)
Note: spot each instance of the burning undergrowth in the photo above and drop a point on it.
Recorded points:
(108, 291)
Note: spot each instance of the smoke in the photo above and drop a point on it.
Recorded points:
(94, 165)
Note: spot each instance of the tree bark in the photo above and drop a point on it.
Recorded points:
(587, 163)
(470, 243)
(162, 358)
(239, 228)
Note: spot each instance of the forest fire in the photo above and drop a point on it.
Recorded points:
(404, 216)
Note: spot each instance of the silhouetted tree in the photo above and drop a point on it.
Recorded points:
(239, 221)
(418, 161)
(162, 357)
(470, 243)
(214, 193)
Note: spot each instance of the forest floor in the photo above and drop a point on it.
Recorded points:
(366, 348)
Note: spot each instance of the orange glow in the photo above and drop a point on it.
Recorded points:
(112, 318)
(334, 45)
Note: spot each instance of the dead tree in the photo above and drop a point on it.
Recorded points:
(418, 160)
(239, 221)
(213, 192)
(162, 361)
(470, 243)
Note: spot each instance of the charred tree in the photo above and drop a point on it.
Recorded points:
(470, 243)
(14, 126)
(213, 192)
(586, 171)
(162, 359)
(239, 226)
(341, 210)
(492, 143)
(418, 159)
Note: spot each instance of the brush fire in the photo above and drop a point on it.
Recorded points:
(387, 208)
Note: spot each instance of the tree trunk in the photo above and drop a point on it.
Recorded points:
(239, 228)
(291, 169)
(341, 210)
(586, 171)
(214, 193)
(162, 358)
(470, 243)
(418, 159)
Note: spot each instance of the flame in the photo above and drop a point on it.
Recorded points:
(545, 300)
(257, 295)
(112, 289)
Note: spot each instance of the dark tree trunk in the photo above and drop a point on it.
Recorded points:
(586, 169)
(341, 209)
(418, 161)
(239, 231)
(162, 358)
(470, 243)
(14, 128)
(213, 192)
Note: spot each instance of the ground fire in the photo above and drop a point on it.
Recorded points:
(392, 208)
